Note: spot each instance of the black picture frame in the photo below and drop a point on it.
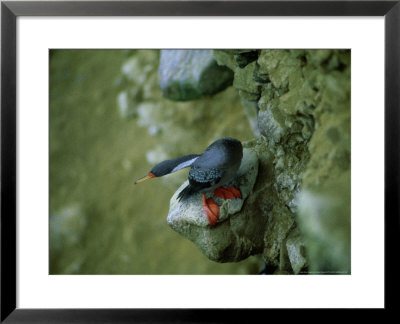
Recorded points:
(11, 10)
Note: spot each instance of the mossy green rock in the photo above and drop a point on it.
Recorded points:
(191, 74)
(303, 101)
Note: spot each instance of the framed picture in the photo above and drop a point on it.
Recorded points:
(285, 113)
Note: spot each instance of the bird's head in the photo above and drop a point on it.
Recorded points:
(161, 169)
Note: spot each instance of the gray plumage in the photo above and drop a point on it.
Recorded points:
(214, 168)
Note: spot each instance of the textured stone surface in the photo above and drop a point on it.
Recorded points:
(303, 101)
(296, 251)
(245, 58)
(251, 111)
(191, 74)
(232, 238)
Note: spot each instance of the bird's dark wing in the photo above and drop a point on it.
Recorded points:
(202, 178)
(199, 180)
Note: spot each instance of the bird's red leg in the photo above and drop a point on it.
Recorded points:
(227, 193)
(211, 209)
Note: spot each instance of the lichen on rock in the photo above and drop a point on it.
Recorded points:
(303, 107)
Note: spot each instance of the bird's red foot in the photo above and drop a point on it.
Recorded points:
(227, 193)
(211, 209)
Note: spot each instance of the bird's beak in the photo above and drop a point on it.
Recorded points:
(149, 176)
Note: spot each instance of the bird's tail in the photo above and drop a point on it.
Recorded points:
(185, 193)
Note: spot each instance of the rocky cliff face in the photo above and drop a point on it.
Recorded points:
(303, 186)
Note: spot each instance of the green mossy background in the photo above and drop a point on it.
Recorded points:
(100, 222)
